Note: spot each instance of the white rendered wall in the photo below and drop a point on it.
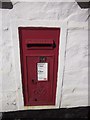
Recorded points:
(75, 76)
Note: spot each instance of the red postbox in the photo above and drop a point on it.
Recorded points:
(39, 49)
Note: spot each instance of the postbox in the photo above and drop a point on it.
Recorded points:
(39, 49)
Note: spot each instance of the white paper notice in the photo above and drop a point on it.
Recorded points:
(42, 71)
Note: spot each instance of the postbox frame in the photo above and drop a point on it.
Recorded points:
(61, 58)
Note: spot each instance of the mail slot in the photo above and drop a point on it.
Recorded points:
(40, 44)
(39, 48)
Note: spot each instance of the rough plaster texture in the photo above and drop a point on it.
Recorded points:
(75, 84)
(75, 80)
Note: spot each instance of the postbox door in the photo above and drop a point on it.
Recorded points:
(40, 80)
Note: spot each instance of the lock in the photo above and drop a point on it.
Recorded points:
(34, 81)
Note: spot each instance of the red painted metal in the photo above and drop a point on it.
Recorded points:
(35, 44)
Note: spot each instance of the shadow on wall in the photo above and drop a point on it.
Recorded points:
(6, 4)
(79, 112)
(0, 116)
(84, 4)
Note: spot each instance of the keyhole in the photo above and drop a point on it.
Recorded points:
(35, 99)
(34, 82)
